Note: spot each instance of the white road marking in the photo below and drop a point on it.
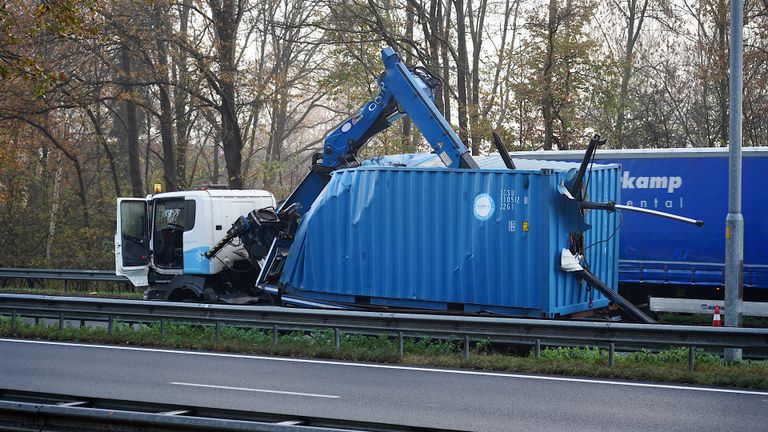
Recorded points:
(395, 367)
(255, 390)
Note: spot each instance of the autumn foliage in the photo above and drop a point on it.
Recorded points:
(104, 98)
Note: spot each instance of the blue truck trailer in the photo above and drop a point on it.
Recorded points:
(692, 182)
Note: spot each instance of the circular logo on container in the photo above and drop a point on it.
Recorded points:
(484, 206)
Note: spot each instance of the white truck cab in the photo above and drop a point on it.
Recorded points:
(160, 241)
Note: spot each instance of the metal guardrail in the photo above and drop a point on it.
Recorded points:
(26, 411)
(598, 333)
(61, 274)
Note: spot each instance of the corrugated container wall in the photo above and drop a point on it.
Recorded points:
(402, 231)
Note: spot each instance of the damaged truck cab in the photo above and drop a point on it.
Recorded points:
(160, 241)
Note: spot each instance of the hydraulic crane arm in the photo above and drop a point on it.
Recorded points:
(403, 91)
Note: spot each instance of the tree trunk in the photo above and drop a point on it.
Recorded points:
(131, 128)
(181, 99)
(103, 141)
(626, 70)
(635, 20)
(147, 149)
(231, 139)
(434, 25)
(446, 35)
(215, 174)
(226, 19)
(461, 70)
(547, 100)
(54, 212)
(166, 119)
(722, 68)
(507, 94)
(166, 137)
(405, 137)
(276, 135)
(477, 46)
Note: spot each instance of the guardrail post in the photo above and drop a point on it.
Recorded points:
(217, 332)
(400, 345)
(466, 347)
(274, 336)
(110, 325)
(691, 358)
(13, 321)
(162, 328)
(537, 348)
(61, 320)
(336, 339)
(611, 354)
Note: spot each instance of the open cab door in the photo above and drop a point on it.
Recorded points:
(132, 240)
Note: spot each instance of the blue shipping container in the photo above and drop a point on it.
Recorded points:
(691, 182)
(402, 231)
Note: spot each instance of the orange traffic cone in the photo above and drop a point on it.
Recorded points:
(716, 318)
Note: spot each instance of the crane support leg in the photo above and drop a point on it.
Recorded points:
(620, 301)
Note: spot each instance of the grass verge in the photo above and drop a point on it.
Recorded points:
(669, 366)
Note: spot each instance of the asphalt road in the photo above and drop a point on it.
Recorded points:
(455, 399)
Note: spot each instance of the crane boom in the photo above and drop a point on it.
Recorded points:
(402, 91)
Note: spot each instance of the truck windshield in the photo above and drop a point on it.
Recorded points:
(169, 213)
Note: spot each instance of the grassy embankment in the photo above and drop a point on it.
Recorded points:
(668, 366)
